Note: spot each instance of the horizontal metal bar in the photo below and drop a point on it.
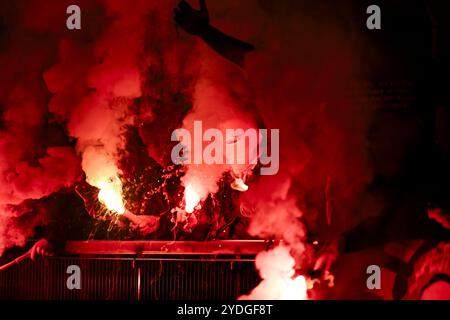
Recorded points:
(220, 247)
(162, 258)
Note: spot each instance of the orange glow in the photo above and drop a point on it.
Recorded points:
(191, 198)
(102, 173)
(111, 194)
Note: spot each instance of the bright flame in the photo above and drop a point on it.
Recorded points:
(102, 172)
(191, 198)
(111, 194)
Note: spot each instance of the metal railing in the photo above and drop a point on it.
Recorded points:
(139, 270)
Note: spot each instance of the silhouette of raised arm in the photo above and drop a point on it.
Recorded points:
(196, 22)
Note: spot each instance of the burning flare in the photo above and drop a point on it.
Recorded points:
(102, 172)
(191, 198)
(111, 194)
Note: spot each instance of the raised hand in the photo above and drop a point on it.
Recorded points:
(196, 22)
(191, 20)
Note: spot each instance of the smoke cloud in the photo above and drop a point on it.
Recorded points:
(82, 81)
(130, 66)
(34, 160)
(277, 270)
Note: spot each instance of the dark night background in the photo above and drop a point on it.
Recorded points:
(363, 115)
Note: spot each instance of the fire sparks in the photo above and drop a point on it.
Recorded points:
(191, 199)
